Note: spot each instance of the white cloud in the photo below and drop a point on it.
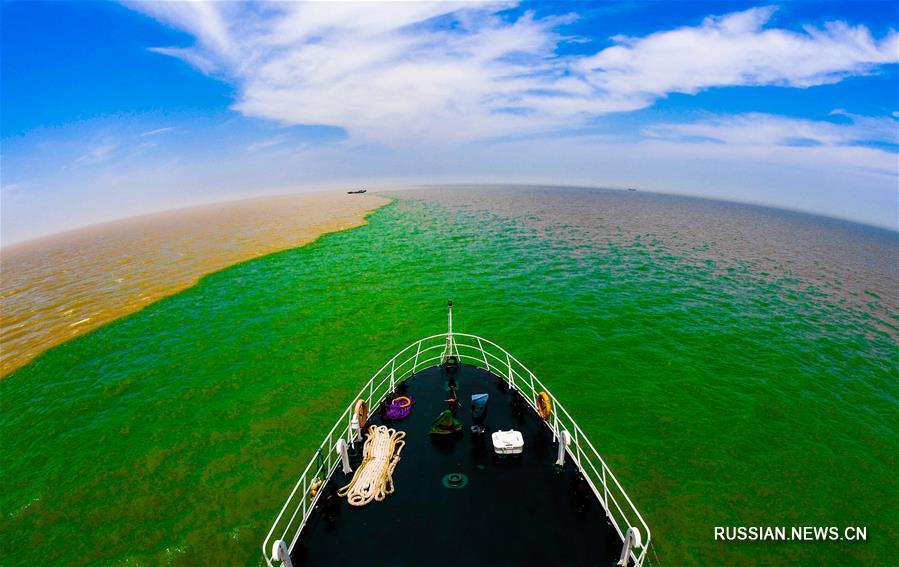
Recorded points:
(756, 129)
(421, 77)
(392, 71)
(209, 22)
(735, 50)
(872, 128)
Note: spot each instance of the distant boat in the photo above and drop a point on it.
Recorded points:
(357, 192)
(631, 189)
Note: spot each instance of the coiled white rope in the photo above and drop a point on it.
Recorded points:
(373, 479)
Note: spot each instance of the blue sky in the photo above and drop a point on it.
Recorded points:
(110, 110)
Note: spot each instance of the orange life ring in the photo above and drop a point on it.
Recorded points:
(360, 412)
(544, 405)
(406, 401)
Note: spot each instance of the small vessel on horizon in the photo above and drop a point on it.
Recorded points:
(466, 458)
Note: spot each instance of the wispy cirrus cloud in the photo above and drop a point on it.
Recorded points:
(267, 143)
(462, 71)
(157, 131)
(98, 153)
(757, 129)
(11, 189)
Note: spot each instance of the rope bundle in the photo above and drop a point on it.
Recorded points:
(373, 479)
(400, 408)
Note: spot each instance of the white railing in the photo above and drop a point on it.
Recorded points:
(475, 351)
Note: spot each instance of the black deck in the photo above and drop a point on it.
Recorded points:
(514, 510)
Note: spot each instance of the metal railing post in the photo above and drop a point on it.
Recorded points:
(578, 445)
(533, 393)
(605, 489)
(556, 427)
(483, 354)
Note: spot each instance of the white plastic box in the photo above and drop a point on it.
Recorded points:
(508, 442)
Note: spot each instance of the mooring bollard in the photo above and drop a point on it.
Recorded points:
(564, 441)
(631, 540)
(280, 553)
(341, 449)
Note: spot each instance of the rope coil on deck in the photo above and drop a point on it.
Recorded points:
(399, 408)
(373, 479)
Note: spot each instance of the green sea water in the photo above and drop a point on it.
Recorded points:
(718, 392)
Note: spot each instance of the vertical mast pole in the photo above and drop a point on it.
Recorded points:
(448, 351)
